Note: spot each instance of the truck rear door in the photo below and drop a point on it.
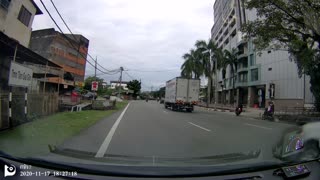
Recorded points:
(182, 88)
(194, 87)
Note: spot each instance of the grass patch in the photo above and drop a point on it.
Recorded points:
(32, 139)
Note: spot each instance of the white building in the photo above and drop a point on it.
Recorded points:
(16, 17)
(256, 75)
(115, 84)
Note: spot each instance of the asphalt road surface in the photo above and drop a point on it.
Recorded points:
(148, 129)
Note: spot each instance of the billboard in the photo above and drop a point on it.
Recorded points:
(19, 75)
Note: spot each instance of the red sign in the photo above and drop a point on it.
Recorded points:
(94, 86)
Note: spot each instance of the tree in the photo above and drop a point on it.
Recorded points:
(208, 63)
(160, 93)
(88, 81)
(230, 59)
(293, 25)
(192, 66)
(135, 86)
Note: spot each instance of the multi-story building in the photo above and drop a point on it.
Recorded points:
(20, 67)
(68, 51)
(259, 78)
(115, 84)
(16, 17)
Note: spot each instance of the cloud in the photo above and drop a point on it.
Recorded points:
(136, 34)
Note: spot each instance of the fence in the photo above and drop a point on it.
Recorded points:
(39, 104)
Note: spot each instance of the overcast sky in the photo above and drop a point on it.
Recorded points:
(140, 35)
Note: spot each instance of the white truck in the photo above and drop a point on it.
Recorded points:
(182, 94)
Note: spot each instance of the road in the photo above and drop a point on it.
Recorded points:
(148, 129)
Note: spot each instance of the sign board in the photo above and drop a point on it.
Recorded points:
(19, 75)
(94, 86)
(80, 84)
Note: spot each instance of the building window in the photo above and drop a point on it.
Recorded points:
(252, 60)
(243, 77)
(5, 4)
(245, 63)
(254, 75)
(24, 16)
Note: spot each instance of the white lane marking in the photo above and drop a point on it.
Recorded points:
(262, 127)
(104, 146)
(200, 127)
(165, 112)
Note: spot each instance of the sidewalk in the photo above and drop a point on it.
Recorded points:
(248, 112)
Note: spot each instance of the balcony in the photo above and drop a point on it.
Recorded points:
(39, 70)
(233, 22)
(242, 55)
(241, 84)
(242, 69)
(226, 32)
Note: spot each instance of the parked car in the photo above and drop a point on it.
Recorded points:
(90, 95)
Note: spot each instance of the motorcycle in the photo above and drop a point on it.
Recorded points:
(268, 112)
(267, 115)
(238, 110)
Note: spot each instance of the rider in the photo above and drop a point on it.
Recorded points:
(240, 106)
(270, 108)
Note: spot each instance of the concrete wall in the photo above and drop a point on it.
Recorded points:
(278, 69)
(10, 24)
(288, 103)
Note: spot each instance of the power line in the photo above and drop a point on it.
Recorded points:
(118, 70)
(64, 34)
(132, 78)
(147, 71)
(74, 35)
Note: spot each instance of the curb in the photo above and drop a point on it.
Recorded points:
(218, 109)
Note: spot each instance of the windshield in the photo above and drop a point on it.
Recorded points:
(174, 83)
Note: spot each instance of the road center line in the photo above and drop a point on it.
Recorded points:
(104, 146)
(200, 127)
(262, 127)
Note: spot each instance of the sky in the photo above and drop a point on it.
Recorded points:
(146, 37)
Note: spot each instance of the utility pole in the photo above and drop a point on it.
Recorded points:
(119, 91)
(95, 68)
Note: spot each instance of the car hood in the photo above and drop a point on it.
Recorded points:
(76, 156)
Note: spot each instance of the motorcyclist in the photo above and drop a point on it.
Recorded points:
(270, 109)
(239, 109)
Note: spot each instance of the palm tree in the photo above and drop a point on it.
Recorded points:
(230, 59)
(192, 67)
(208, 62)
